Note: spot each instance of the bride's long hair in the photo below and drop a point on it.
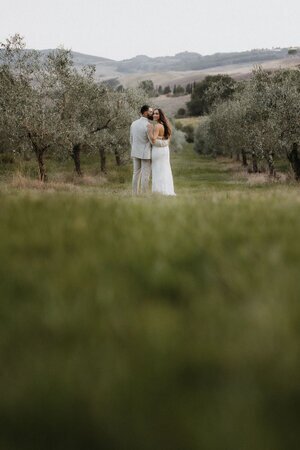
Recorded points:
(165, 122)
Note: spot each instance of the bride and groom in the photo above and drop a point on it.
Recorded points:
(149, 139)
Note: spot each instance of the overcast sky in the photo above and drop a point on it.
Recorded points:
(121, 29)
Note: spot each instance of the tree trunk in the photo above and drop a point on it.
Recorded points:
(39, 153)
(271, 165)
(118, 158)
(244, 158)
(76, 157)
(293, 157)
(42, 169)
(102, 159)
(254, 162)
(238, 156)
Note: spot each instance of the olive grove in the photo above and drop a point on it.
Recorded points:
(50, 109)
(259, 125)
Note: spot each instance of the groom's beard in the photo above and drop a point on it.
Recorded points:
(150, 116)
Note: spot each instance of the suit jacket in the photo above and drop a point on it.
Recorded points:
(139, 140)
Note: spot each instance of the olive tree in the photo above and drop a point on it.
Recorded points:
(285, 98)
(30, 110)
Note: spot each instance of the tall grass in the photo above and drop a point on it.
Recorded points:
(151, 323)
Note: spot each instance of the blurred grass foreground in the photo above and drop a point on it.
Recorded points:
(151, 323)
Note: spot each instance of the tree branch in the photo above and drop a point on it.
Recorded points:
(101, 128)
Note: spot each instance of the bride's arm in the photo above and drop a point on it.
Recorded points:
(153, 131)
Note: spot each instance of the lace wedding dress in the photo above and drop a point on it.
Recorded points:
(162, 178)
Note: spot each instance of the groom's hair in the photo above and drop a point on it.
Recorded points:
(144, 108)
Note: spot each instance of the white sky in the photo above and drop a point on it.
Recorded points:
(121, 29)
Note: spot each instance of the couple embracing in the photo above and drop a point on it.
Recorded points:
(149, 138)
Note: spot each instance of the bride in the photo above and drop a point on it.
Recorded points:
(160, 134)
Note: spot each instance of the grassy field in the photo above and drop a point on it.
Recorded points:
(194, 121)
(170, 105)
(149, 323)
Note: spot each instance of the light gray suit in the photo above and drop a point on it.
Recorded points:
(141, 154)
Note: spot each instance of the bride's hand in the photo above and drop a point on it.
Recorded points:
(150, 130)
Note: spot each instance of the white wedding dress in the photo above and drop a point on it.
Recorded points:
(162, 178)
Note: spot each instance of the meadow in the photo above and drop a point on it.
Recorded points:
(149, 323)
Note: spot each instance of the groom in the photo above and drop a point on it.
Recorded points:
(141, 151)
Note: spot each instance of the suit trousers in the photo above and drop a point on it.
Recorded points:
(141, 175)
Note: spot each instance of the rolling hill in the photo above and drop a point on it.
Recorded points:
(183, 67)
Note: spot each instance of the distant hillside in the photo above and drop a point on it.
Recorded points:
(194, 61)
(183, 67)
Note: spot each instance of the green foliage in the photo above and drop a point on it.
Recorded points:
(213, 89)
(202, 139)
(167, 90)
(148, 87)
(179, 125)
(178, 90)
(177, 140)
(189, 133)
(181, 112)
(189, 88)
